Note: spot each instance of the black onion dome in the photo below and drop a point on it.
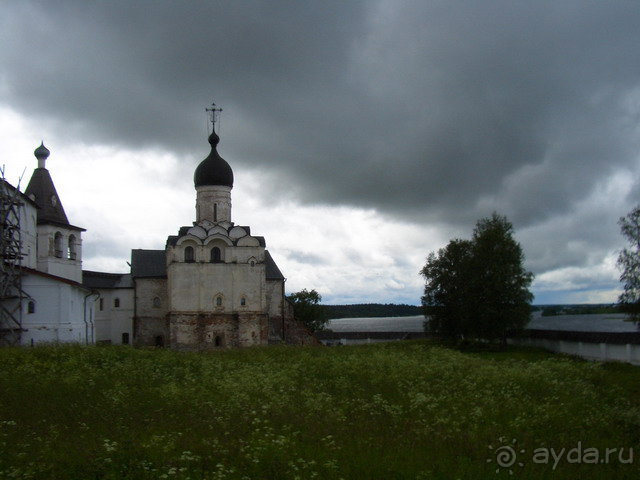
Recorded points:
(213, 170)
(42, 152)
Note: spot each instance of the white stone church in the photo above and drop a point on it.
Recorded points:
(213, 286)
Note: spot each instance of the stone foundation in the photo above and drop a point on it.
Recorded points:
(207, 331)
(151, 331)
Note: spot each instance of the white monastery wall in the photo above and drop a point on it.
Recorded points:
(114, 314)
(59, 312)
(629, 353)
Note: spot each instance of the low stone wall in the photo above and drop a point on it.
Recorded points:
(618, 338)
(355, 338)
(602, 346)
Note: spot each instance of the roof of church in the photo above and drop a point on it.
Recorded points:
(91, 279)
(152, 263)
(18, 192)
(44, 193)
(148, 263)
(213, 170)
(172, 240)
(272, 271)
(53, 277)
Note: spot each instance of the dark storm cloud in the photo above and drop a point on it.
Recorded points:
(141, 73)
(440, 111)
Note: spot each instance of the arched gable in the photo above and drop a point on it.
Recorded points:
(212, 239)
(248, 241)
(198, 232)
(237, 232)
(189, 240)
(217, 230)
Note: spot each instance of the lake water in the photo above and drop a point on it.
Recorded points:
(613, 322)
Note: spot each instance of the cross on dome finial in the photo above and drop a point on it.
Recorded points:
(214, 113)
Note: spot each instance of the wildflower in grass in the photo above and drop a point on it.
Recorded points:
(109, 446)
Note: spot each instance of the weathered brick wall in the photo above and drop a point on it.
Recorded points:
(151, 332)
(197, 331)
(276, 329)
(253, 329)
(295, 332)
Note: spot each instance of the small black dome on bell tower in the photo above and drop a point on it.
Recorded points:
(213, 170)
(42, 152)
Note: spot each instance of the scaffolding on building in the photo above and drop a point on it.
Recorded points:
(12, 295)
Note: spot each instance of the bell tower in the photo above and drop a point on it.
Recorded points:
(59, 243)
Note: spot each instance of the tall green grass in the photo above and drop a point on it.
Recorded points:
(387, 411)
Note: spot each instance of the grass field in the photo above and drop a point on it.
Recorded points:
(388, 411)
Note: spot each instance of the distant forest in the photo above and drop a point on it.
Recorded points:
(371, 310)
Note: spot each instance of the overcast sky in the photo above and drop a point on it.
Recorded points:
(362, 135)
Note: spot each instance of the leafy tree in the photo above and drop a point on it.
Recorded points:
(478, 288)
(307, 309)
(446, 292)
(500, 284)
(629, 263)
